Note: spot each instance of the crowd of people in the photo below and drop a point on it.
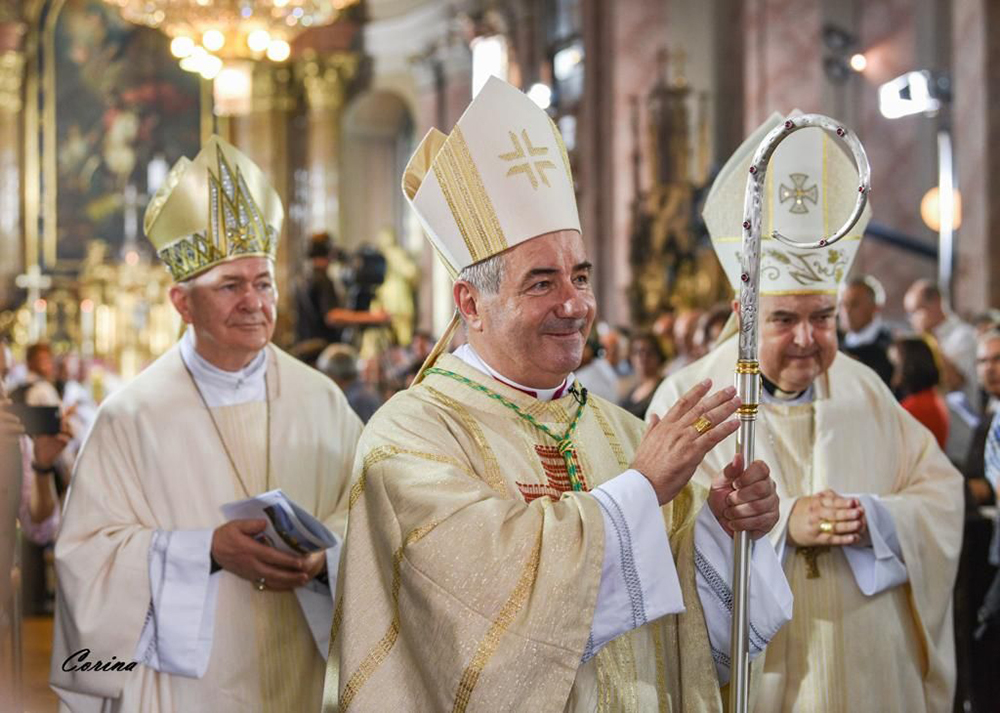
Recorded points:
(499, 520)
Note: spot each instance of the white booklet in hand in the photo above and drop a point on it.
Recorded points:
(289, 527)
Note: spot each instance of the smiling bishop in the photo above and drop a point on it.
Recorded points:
(516, 543)
(149, 571)
(871, 509)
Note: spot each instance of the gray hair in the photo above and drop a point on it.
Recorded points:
(339, 362)
(485, 275)
(988, 336)
(871, 285)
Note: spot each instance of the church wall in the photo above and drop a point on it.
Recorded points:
(638, 33)
(784, 54)
(976, 55)
(414, 55)
(11, 83)
(902, 151)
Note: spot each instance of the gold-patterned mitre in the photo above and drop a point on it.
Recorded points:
(217, 208)
(811, 189)
(500, 178)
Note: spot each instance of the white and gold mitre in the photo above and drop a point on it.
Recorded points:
(500, 178)
(811, 189)
(216, 208)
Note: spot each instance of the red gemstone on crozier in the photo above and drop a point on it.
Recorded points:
(746, 225)
(861, 189)
(753, 169)
(822, 243)
(840, 131)
(745, 277)
(789, 124)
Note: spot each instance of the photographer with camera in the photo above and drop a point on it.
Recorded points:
(321, 312)
(34, 456)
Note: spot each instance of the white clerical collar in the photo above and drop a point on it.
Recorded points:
(225, 388)
(866, 335)
(467, 354)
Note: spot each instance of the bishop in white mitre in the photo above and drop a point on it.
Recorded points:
(871, 509)
(505, 549)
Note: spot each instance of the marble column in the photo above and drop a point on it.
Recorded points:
(782, 62)
(976, 121)
(325, 80)
(11, 82)
(263, 135)
(897, 37)
(443, 77)
(626, 66)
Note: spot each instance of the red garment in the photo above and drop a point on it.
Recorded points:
(930, 409)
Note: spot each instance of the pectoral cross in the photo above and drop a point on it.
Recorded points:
(811, 554)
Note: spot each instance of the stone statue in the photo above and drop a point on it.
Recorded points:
(396, 294)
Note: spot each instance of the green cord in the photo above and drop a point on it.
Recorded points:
(564, 442)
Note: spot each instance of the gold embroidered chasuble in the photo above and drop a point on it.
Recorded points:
(154, 461)
(470, 574)
(844, 651)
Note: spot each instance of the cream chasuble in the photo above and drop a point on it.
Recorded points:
(470, 572)
(844, 651)
(154, 462)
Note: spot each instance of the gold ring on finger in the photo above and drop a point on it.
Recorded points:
(260, 584)
(703, 425)
(826, 527)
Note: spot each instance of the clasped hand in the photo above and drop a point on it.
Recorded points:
(846, 517)
(236, 550)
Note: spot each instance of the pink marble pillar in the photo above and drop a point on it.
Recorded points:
(976, 71)
(637, 33)
(782, 58)
(902, 151)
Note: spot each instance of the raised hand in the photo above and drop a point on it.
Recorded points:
(675, 445)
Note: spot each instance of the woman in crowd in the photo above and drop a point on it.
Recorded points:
(916, 380)
(647, 362)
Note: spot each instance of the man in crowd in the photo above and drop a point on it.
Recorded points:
(39, 387)
(865, 338)
(148, 569)
(977, 682)
(929, 314)
(871, 510)
(516, 543)
(685, 331)
(340, 363)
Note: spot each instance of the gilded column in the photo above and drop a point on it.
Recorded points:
(325, 80)
(263, 135)
(11, 102)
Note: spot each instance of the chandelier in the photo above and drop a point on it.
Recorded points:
(206, 33)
